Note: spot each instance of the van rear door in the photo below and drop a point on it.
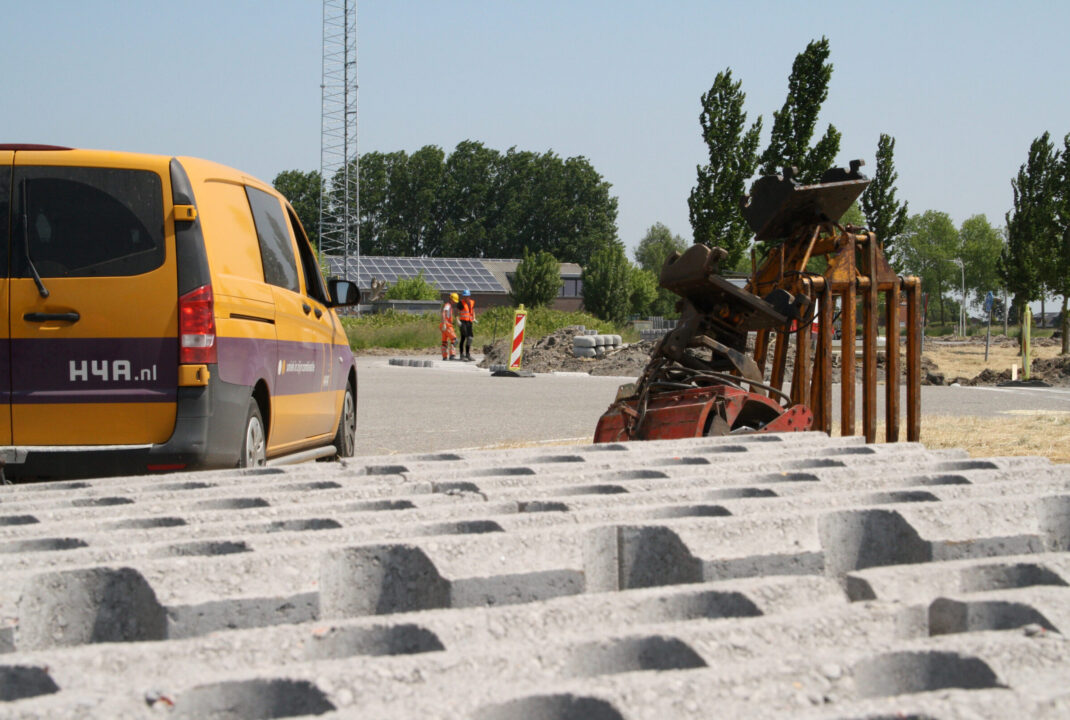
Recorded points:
(93, 309)
(6, 158)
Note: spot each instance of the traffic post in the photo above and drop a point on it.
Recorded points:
(988, 309)
(1027, 327)
(517, 353)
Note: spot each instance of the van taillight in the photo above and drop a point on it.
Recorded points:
(196, 327)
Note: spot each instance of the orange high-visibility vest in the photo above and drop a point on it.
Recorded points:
(468, 309)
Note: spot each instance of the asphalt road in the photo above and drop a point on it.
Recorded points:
(456, 405)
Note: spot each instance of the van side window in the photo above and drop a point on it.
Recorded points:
(313, 280)
(87, 222)
(275, 248)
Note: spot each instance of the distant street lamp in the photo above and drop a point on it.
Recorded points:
(962, 308)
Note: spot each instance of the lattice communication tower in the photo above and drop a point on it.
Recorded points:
(339, 232)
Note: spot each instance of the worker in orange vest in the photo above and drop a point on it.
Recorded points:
(467, 315)
(449, 337)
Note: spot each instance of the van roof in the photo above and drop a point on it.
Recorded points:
(31, 146)
(197, 168)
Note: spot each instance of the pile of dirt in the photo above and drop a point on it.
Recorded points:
(1053, 371)
(553, 353)
(930, 372)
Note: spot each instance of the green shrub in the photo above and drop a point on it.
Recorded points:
(413, 288)
(643, 288)
(607, 284)
(537, 280)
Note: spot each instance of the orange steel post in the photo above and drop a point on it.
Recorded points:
(780, 360)
(761, 348)
(847, 350)
(891, 365)
(913, 288)
(800, 378)
(817, 286)
(815, 385)
(826, 357)
(869, 342)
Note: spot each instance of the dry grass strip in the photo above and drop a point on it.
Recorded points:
(1018, 432)
(969, 360)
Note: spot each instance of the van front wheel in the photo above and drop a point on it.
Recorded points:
(254, 442)
(345, 441)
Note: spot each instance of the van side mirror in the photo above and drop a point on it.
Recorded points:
(343, 292)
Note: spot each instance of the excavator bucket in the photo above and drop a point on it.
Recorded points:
(778, 205)
(709, 375)
(700, 412)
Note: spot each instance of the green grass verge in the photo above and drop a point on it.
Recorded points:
(396, 330)
(392, 329)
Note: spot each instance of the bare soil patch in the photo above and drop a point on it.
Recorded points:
(553, 353)
(963, 361)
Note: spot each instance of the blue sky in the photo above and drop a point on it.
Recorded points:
(964, 87)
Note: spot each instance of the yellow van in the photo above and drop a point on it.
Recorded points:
(162, 314)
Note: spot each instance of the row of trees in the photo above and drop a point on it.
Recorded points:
(931, 247)
(475, 202)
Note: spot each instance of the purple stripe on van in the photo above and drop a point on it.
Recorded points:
(243, 361)
(141, 370)
(83, 370)
(5, 371)
(301, 367)
(290, 367)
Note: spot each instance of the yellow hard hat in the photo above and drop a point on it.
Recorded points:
(453, 297)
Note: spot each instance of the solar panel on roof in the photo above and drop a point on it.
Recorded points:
(445, 273)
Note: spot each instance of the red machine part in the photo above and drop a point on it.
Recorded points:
(699, 412)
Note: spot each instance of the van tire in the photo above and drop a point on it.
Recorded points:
(345, 440)
(254, 438)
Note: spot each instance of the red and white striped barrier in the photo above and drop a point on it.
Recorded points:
(518, 338)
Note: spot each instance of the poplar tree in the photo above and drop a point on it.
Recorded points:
(794, 123)
(1060, 252)
(885, 215)
(1030, 223)
(714, 201)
